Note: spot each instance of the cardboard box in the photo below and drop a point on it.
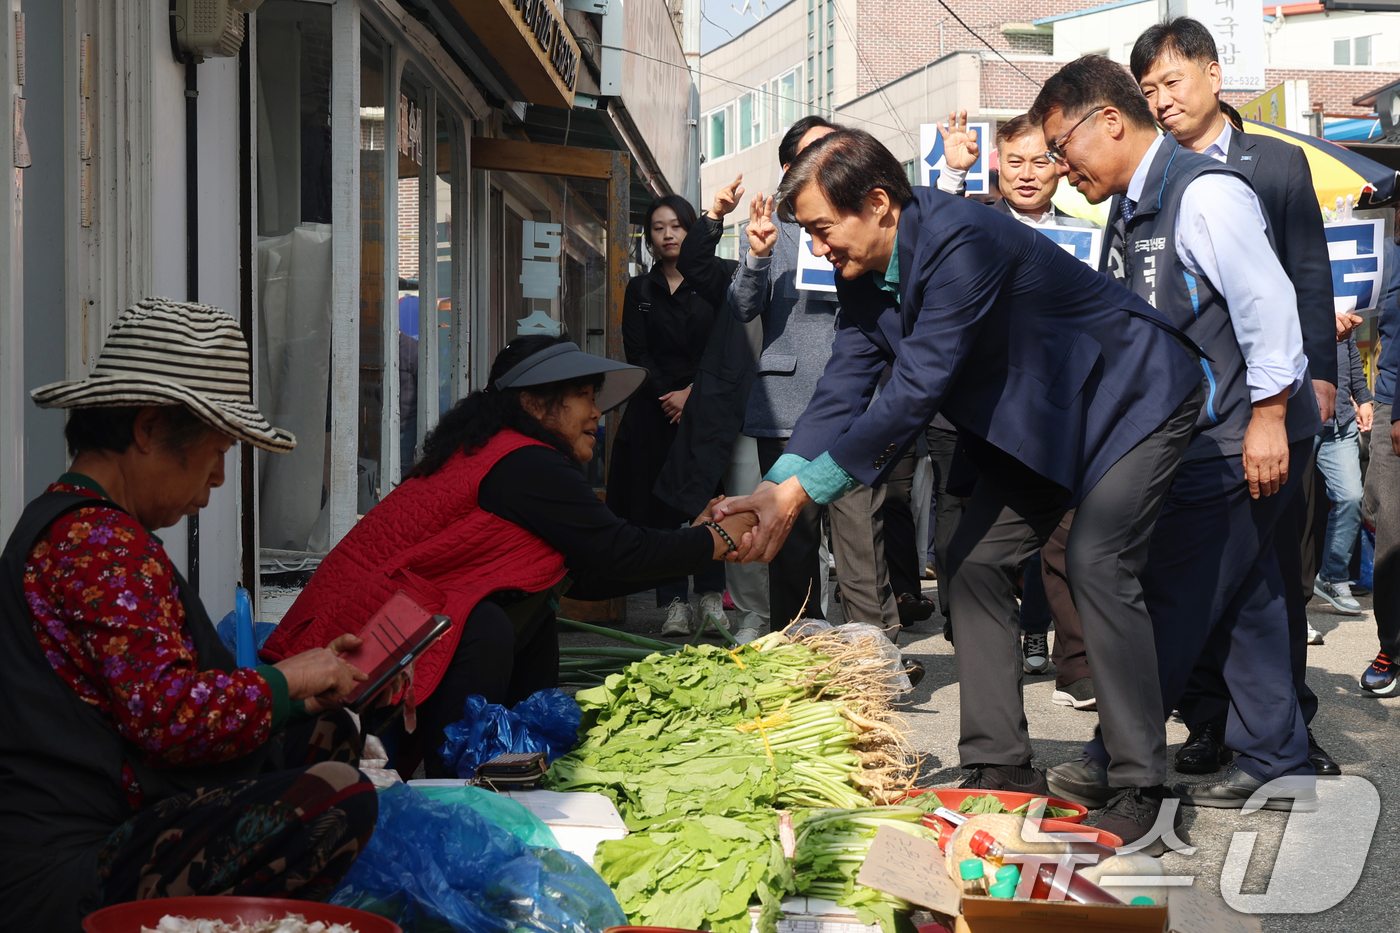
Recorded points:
(915, 869)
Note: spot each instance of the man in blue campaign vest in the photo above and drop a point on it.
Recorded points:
(1176, 65)
(1195, 247)
(1066, 390)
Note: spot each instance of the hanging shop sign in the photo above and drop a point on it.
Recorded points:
(531, 42)
(1238, 28)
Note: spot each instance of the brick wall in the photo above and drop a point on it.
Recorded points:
(1333, 91)
(897, 36)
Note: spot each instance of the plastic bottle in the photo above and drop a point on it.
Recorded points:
(1010, 873)
(1003, 889)
(974, 878)
(1077, 888)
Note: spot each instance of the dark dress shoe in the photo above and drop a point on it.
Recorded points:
(1132, 814)
(1236, 787)
(1022, 780)
(914, 608)
(1321, 761)
(915, 670)
(1204, 751)
(1083, 781)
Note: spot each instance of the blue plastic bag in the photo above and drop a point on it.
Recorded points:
(434, 866)
(546, 722)
(228, 632)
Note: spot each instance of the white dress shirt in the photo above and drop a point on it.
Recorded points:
(1220, 234)
(951, 181)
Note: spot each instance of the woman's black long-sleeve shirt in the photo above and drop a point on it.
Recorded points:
(542, 490)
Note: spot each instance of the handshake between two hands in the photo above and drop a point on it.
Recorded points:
(758, 523)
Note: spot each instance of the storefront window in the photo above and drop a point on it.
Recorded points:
(411, 107)
(294, 268)
(373, 169)
(442, 224)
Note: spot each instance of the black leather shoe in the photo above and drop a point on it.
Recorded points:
(1321, 761)
(1022, 780)
(915, 669)
(914, 607)
(1236, 787)
(1084, 781)
(1204, 751)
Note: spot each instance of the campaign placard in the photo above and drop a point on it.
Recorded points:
(931, 156)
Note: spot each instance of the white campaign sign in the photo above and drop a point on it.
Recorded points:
(1083, 243)
(814, 273)
(931, 156)
(1238, 28)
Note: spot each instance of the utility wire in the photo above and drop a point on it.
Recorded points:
(745, 87)
(879, 87)
(979, 38)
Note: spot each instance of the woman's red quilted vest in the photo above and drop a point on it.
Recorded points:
(429, 538)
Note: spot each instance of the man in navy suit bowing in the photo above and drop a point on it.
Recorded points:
(1066, 390)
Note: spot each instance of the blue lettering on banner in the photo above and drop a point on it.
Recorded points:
(1354, 247)
(814, 273)
(931, 149)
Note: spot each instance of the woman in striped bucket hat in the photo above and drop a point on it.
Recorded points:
(136, 759)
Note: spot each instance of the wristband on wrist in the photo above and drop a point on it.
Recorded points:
(723, 534)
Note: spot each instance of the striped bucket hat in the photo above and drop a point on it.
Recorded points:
(163, 352)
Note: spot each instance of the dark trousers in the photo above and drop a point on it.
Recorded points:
(901, 551)
(292, 833)
(1009, 517)
(1207, 698)
(947, 509)
(1035, 611)
(709, 580)
(1068, 653)
(491, 661)
(794, 584)
(1213, 567)
(1381, 508)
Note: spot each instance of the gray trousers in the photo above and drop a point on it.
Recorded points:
(1381, 509)
(858, 545)
(1011, 514)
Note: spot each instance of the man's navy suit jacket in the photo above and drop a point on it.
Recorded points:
(1279, 173)
(1009, 336)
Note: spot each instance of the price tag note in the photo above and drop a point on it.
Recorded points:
(912, 868)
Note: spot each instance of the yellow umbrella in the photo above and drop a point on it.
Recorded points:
(1336, 170)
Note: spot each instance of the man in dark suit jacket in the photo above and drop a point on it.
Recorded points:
(1176, 66)
(1066, 390)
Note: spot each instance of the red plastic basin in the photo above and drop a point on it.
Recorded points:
(131, 916)
(953, 797)
(1091, 833)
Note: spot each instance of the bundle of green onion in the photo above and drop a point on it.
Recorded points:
(832, 846)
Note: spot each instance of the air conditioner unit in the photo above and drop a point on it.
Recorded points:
(210, 28)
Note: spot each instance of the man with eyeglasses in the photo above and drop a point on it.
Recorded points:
(1195, 246)
(1066, 389)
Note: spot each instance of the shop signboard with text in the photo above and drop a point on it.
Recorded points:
(1238, 28)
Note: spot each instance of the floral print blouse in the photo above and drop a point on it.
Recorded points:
(107, 613)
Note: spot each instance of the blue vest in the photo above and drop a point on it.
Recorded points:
(1155, 272)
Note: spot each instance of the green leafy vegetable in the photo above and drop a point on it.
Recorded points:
(986, 803)
(832, 846)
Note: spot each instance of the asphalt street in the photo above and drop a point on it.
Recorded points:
(1362, 733)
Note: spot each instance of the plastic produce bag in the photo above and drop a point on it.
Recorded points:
(884, 654)
(432, 866)
(546, 721)
(502, 811)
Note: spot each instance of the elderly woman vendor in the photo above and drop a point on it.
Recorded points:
(136, 760)
(493, 524)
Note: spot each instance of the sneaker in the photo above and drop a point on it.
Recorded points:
(1079, 694)
(679, 618)
(1379, 678)
(1314, 636)
(712, 610)
(1132, 814)
(1035, 653)
(746, 635)
(1338, 594)
(1022, 780)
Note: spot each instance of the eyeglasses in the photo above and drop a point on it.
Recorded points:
(1055, 151)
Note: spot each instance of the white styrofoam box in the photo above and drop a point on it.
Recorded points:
(815, 915)
(578, 821)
